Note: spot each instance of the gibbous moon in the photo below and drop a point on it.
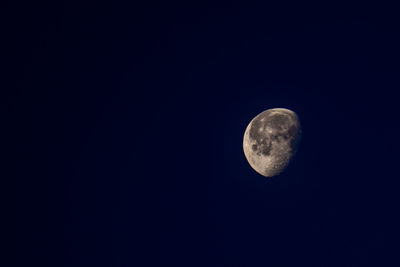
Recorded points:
(271, 140)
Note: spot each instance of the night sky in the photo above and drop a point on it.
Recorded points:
(122, 128)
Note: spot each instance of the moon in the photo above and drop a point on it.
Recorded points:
(271, 140)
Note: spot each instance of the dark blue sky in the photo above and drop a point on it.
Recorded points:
(122, 131)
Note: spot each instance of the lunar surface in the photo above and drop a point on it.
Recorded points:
(271, 140)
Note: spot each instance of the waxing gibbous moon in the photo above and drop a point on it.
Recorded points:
(271, 140)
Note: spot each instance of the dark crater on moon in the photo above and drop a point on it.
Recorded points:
(277, 121)
(262, 147)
